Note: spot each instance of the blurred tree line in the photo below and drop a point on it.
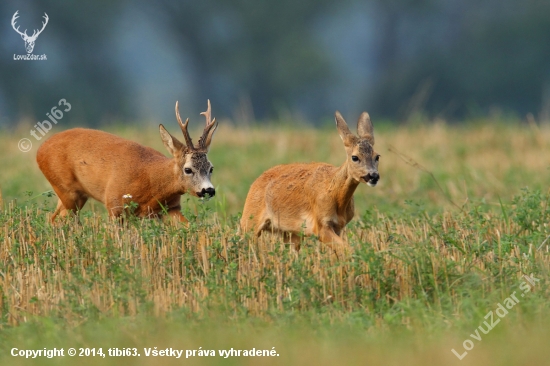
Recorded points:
(394, 58)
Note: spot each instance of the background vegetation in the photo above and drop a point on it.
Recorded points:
(131, 60)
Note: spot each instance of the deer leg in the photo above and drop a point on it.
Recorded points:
(175, 214)
(294, 239)
(60, 208)
(266, 225)
(69, 202)
(327, 235)
(114, 207)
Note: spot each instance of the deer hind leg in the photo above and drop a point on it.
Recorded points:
(264, 225)
(69, 203)
(59, 209)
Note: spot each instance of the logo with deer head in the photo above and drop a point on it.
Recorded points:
(29, 40)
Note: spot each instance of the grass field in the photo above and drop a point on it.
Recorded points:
(457, 229)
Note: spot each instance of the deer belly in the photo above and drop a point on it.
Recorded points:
(290, 222)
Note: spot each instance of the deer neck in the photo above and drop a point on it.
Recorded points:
(165, 180)
(343, 187)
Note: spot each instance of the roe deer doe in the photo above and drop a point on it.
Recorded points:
(314, 198)
(82, 163)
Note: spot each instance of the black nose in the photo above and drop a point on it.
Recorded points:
(374, 176)
(211, 192)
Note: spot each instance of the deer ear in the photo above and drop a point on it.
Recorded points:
(365, 128)
(172, 144)
(343, 129)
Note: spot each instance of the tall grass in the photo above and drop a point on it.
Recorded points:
(101, 268)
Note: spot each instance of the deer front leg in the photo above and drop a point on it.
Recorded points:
(175, 214)
(327, 235)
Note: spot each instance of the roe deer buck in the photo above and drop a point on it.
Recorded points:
(82, 163)
(314, 198)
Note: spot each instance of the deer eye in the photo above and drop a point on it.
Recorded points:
(354, 158)
(377, 158)
(188, 171)
(211, 170)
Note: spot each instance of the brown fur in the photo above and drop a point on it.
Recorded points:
(316, 198)
(82, 163)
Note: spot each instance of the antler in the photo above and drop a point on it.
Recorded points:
(13, 19)
(204, 141)
(183, 127)
(35, 35)
(24, 34)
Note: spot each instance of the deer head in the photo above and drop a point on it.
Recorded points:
(192, 165)
(29, 40)
(362, 160)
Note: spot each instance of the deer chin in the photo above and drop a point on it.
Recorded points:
(372, 183)
(193, 193)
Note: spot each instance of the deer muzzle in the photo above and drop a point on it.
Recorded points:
(211, 192)
(372, 178)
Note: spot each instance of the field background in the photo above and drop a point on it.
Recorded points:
(454, 224)
(476, 162)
